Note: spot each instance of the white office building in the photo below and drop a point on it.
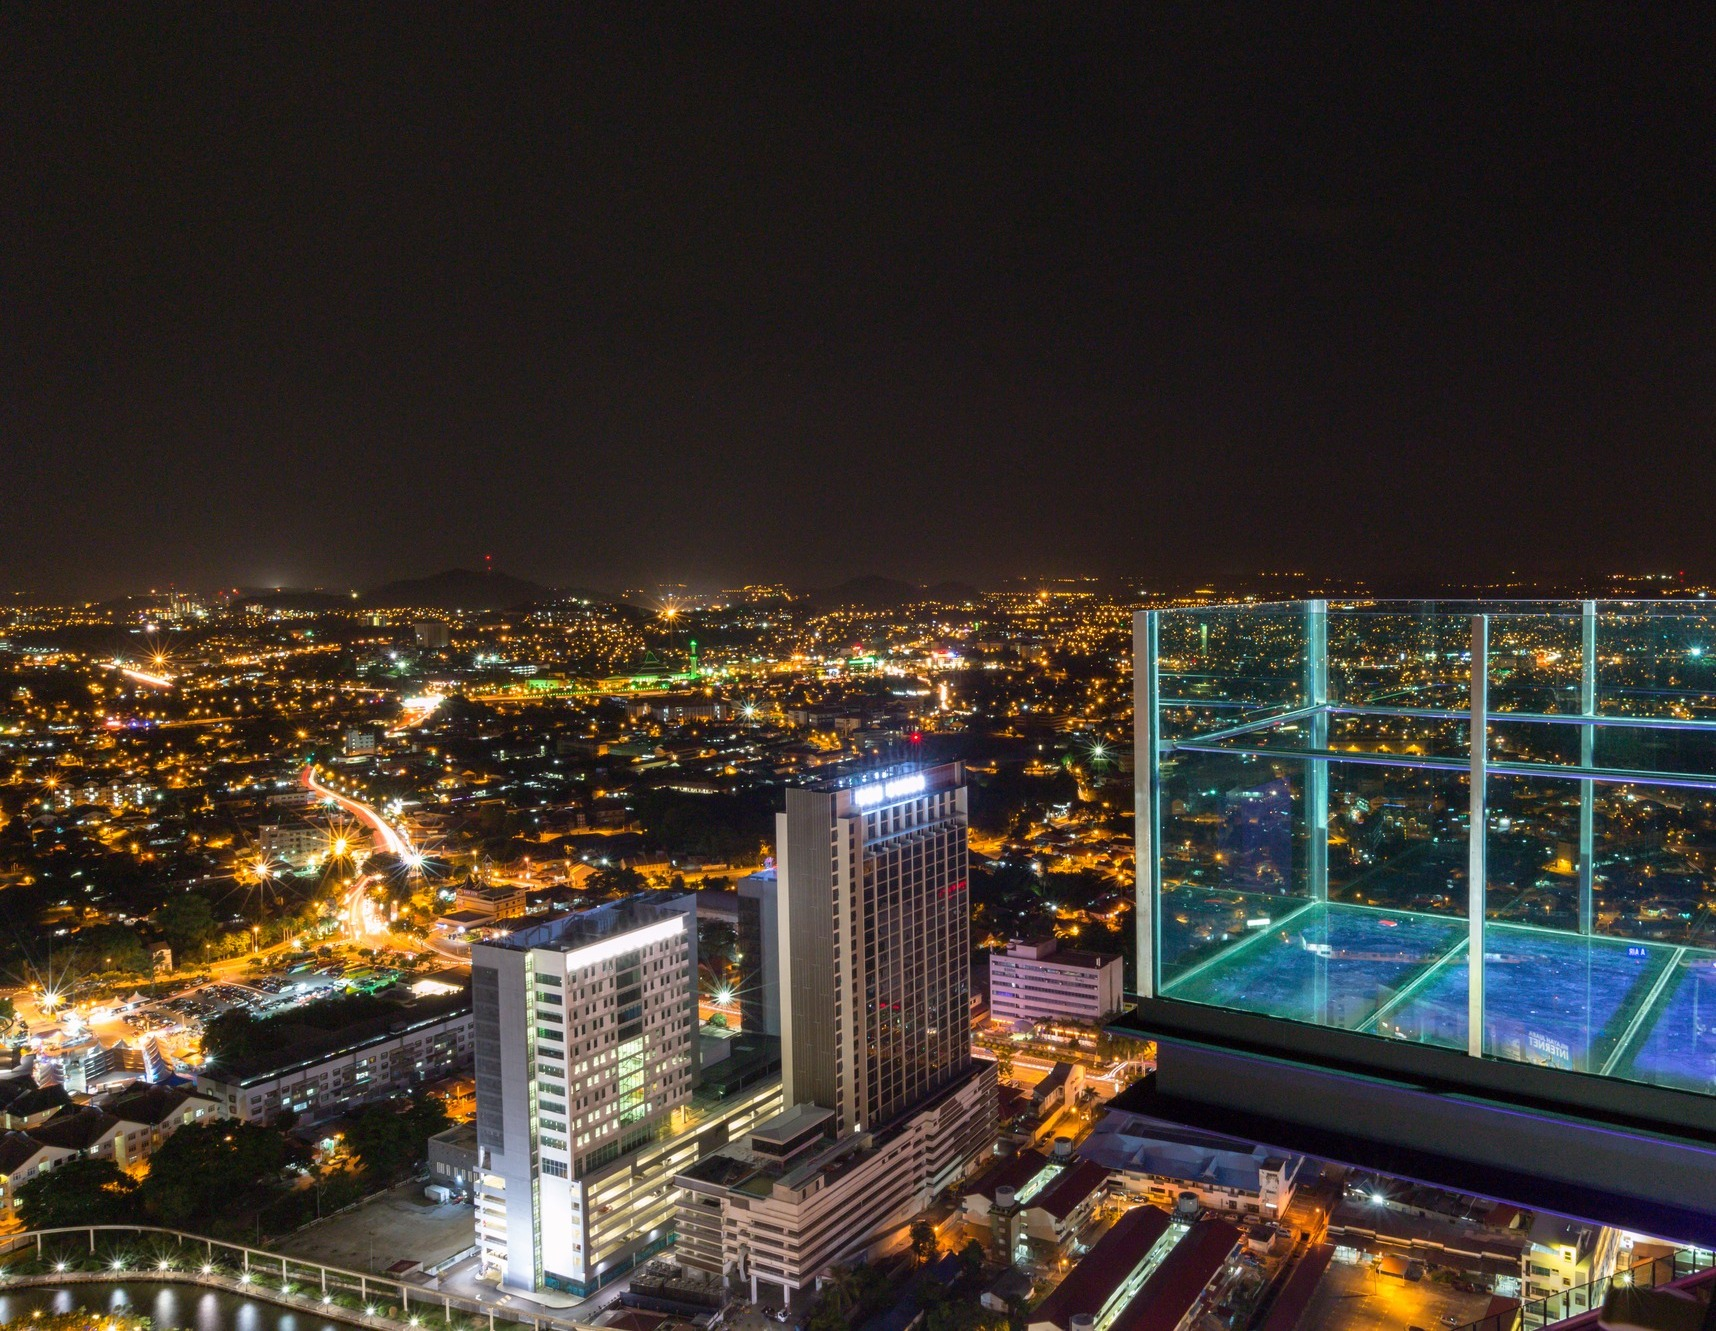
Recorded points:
(586, 1055)
(1038, 981)
(777, 1212)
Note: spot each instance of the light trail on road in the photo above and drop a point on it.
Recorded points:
(392, 840)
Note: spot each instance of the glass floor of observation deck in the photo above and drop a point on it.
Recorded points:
(1588, 1003)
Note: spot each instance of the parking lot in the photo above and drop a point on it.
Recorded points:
(401, 1224)
(1353, 1298)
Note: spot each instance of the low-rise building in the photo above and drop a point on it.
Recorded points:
(453, 1159)
(295, 844)
(325, 1073)
(494, 901)
(1030, 1196)
(1041, 981)
(1148, 1272)
(780, 1209)
(1565, 1253)
(148, 1115)
(23, 1158)
(1159, 1162)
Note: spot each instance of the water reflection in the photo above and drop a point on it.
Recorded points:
(167, 1306)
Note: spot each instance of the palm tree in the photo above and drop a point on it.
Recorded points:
(842, 1289)
(923, 1241)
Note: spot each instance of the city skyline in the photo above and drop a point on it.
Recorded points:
(1009, 667)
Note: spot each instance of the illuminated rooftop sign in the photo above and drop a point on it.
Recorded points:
(631, 940)
(897, 789)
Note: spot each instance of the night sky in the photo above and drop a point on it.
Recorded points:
(332, 294)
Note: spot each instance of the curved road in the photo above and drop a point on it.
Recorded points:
(360, 913)
(392, 840)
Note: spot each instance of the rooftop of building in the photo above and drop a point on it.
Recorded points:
(1064, 1196)
(153, 1105)
(459, 1137)
(1049, 952)
(567, 933)
(751, 1058)
(39, 1100)
(75, 1129)
(303, 1046)
(1163, 1301)
(1111, 1259)
(17, 1149)
(1010, 1171)
(740, 1168)
(1140, 1145)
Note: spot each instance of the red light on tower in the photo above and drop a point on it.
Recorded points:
(917, 737)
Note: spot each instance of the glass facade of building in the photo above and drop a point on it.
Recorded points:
(1487, 827)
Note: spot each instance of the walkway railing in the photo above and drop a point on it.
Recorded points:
(1535, 1314)
(116, 1251)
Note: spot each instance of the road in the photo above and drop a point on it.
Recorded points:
(362, 917)
(393, 841)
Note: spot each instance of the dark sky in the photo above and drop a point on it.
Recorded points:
(327, 293)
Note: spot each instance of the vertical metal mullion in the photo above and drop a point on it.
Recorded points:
(1146, 783)
(1587, 758)
(1476, 867)
(1317, 777)
(1317, 782)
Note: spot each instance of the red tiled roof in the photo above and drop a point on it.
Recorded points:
(1011, 1172)
(1295, 1295)
(1062, 1197)
(1104, 1267)
(1170, 1292)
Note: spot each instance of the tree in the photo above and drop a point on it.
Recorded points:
(843, 1289)
(389, 1138)
(924, 1243)
(613, 882)
(971, 1257)
(78, 1192)
(203, 1169)
(187, 922)
(110, 947)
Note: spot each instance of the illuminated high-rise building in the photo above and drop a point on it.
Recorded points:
(884, 1106)
(586, 1061)
(876, 942)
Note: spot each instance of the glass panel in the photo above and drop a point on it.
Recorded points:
(1560, 1000)
(1537, 660)
(1656, 660)
(1532, 851)
(1364, 929)
(1329, 964)
(1397, 838)
(1655, 847)
(1673, 1040)
(1555, 744)
(1401, 654)
(1360, 732)
(1656, 749)
(1223, 666)
(1233, 852)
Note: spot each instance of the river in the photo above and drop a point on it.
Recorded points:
(168, 1305)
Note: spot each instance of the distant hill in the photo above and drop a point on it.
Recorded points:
(879, 593)
(459, 589)
(951, 592)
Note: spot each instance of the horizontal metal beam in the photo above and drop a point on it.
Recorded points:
(1552, 771)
